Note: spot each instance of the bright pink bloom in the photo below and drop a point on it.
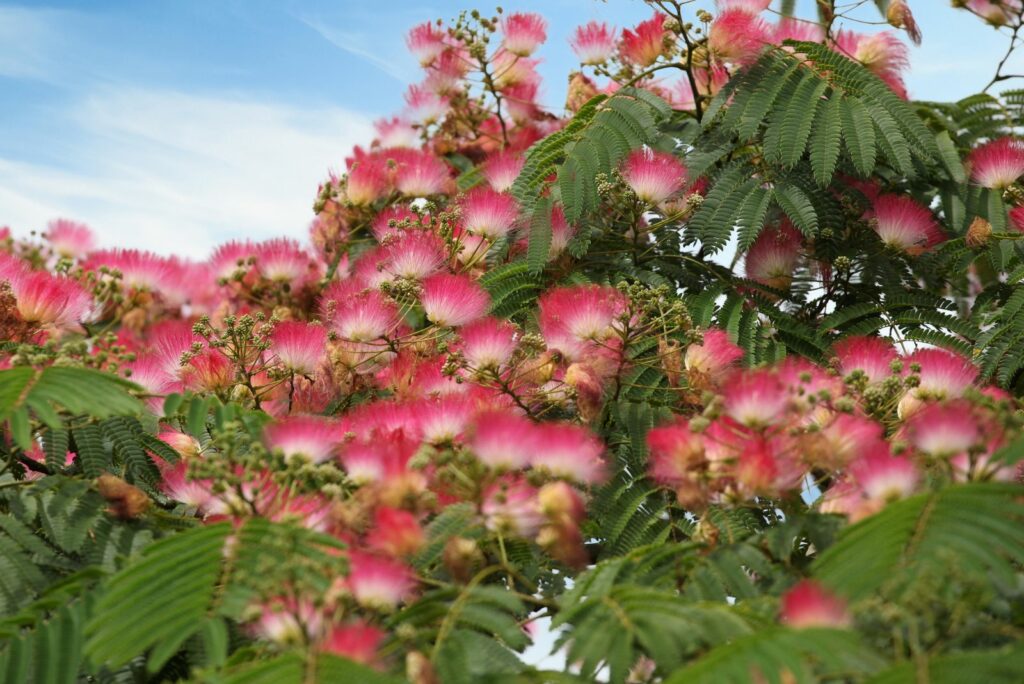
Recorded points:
(209, 371)
(176, 485)
(231, 257)
(488, 213)
(70, 239)
(378, 583)
(676, 452)
(903, 224)
(393, 221)
(714, 356)
(310, 437)
(846, 437)
(755, 398)
(453, 300)
(503, 440)
(773, 257)
(368, 181)
(1017, 219)
(884, 477)
(653, 176)
(873, 356)
(424, 106)
(943, 375)
(883, 53)
(139, 270)
(757, 470)
(487, 343)
(444, 419)
(395, 132)
(573, 319)
(426, 42)
(808, 604)
(511, 506)
(569, 451)
(358, 313)
(45, 299)
(355, 640)
(415, 254)
(283, 260)
(524, 32)
(395, 532)
(738, 36)
(643, 44)
(997, 164)
(593, 43)
(502, 168)
(421, 174)
(561, 232)
(943, 430)
(299, 346)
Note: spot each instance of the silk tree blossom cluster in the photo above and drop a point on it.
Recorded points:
(873, 423)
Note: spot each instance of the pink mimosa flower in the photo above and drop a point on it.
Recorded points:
(872, 356)
(524, 32)
(884, 477)
(714, 356)
(738, 36)
(415, 254)
(487, 343)
(299, 346)
(569, 451)
(645, 42)
(502, 168)
(426, 42)
(424, 106)
(356, 640)
(378, 583)
(395, 132)
(903, 224)
(367, 181)
(943, 430)
(70, 239)
(755, 398)
(997, 164)
(503, 440)
(310, 437)
(774, 256)
(421, 174)
(488, 213)
(653, 176)
(453, 300)
(45, 299)
(283, 260)
(593, 43)
(395, 532)
(574, 318)
(808, 604)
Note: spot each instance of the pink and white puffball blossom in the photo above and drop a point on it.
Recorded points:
(488, 213)
(523, 33)
(905, 225)
(70, 239)
(453, 300)
(808, 604)
(997, 164)
(593, 43)
(654, 176)
(309, 437)
(298, 346)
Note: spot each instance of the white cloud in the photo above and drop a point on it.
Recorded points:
(27, 39)
(178, 172)
(358, 45)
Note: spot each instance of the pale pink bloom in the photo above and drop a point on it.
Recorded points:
(593, 43)
(377, 459)
(453, 300)
(943, 430)
(153, 375)
(70, 239)
(503, 440)
(847, 436)
(791, 28)
(644, 43)
(447, 72)
(415, 254)
(653, 176)
(470, 248)
(995, 12)
(313, 438)
(762, 469)
(738, 36)
(208, 371)
(903, 224)
(186, 445)
(807, 384)
(714, 356)
(356, 640)
(943, 375)
(421, 174)
(395, 132)
(997, 164)
(358, 313)
(393, 220)
(45, 299)
(755, 398)
(11, 267)
(561, 232)
(510, 506)
(169, 340)
(426, 42)
(176, 485)
(283, 260)
(231, 257)
(883, 53)
(444, 419)
(521, 101)
(369, 269)
(749, 6)
(773, 257)
(424, 106)
(286, 622)
(573, 319)
(487, 343)
(873, 356)
(884, 477)
(139, 270)
(378, 583)
(512, 70)
(808, 604)
(488, 213)
(395, 532)
(676, 453)
(502, 168)
(569, 451)
(299, 346)
(367, 181)
(524, 32)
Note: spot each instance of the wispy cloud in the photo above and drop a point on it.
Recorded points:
(179, 172)
(27, 39)
(356, 44)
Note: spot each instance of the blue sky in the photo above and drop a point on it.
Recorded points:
(173, 125)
